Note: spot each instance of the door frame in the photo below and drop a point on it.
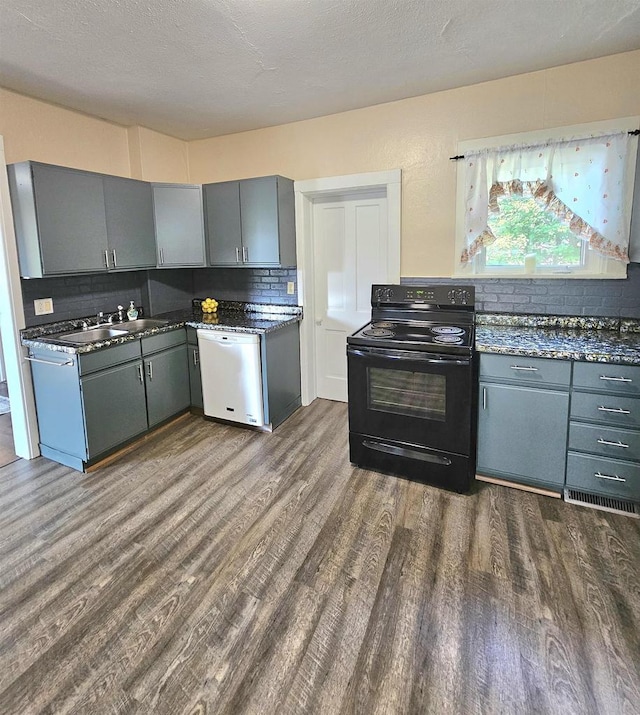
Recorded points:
(306, 192)
(23, 410)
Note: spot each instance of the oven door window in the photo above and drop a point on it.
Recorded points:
(413, 394)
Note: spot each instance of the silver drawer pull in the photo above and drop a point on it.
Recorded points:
(520, 367)
(616, 379)
(617, 410)
(614, 478)
(613, 444)
(48, 362)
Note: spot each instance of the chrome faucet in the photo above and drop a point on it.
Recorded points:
(118, 313)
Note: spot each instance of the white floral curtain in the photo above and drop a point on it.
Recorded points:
(582, 181)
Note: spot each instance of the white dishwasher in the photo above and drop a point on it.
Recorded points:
(231, 376)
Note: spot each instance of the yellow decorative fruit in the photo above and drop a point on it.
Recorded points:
(209, 305)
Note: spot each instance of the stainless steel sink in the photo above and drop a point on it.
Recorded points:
(91, 336)
(141, 324)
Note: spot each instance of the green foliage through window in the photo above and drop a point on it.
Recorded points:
(523, 228)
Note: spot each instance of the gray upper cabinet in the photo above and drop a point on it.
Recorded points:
(251, 222)
(222, 223)
(179, 225)
(60, 220)
(69, 221)
(130, 230)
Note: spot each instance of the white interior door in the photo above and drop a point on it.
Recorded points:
(350, 253)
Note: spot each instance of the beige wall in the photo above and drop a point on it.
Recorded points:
(416, 135)
(40, 131)
(419, 135)
(45, 132)
(157, 157)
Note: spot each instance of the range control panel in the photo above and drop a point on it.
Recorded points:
(433, 295)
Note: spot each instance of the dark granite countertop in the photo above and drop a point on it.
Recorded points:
(605, 340)
(236, 317)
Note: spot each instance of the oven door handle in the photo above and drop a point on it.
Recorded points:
(408, 356)
(398, 451)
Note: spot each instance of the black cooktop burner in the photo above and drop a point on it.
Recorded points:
(447, 330)
(383, 324)
(377, 333)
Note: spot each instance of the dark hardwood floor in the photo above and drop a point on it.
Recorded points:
(218, 570)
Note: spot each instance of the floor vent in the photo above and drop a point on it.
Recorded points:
(617, 506)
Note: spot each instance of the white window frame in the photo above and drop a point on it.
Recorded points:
(596, 265)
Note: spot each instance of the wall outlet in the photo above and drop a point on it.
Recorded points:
(43, 306)
(291, 288)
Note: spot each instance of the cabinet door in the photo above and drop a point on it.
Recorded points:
(195, 378)
(522, 434)
(167, 381)
(114, 406)
(71, 219)
(259, 217)
(179, 225)
(130, 232)
(222, 223)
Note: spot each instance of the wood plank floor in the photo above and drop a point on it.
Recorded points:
(219, 570)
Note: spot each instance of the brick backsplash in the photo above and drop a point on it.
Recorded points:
(609, 298)
(79, 296)
(157, 291)
(256, 285)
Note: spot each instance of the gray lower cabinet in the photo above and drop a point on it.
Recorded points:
(90, 404)
(195, 378)
(179, 225)
(167, 384)
(280, 358)
(523, 420)
(114, 407)
(251, 222)
(604, 436)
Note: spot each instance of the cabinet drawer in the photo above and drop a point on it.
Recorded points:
(606, 441)
(542, 371)
(162, 341)
(603, 476)
(101, 359)
(607, 378)
(607, 409)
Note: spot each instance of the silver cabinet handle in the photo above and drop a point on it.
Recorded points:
(245, 254)
(614, 478)
(113, 256)
(237, 254)
(616, 379)
(150, 370)
(195, 358)
(520, 367)
(161, 256)
(617, 410)
(484, 398)
(140, 373)
(613, 444)
(106, 258)
(48, 362)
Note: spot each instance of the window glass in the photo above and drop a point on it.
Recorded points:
(413, 394)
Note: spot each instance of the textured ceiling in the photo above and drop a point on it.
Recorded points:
(201, 68)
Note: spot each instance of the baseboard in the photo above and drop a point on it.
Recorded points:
(517, 485)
